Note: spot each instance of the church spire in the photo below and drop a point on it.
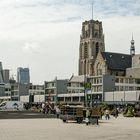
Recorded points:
(92, 10)
(132, 48)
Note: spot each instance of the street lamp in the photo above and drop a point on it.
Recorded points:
(121, 101)
(87, 87)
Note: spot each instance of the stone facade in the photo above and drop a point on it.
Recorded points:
(100, 66)
(134, 71)
(136, 61)
(91, 41)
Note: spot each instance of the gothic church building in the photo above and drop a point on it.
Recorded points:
(92, 45)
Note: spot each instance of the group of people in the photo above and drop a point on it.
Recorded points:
(48, 109)
(106, 113)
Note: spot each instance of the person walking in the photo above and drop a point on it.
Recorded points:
(107, 117)
(57, 110)
(43, 108)
(87, 117)
(116, 112)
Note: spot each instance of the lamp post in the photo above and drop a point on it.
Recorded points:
(121, 101)
(87, 87)
(85, 97)
(84, 91)
(39, 99)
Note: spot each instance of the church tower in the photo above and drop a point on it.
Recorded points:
(91, 42)
(132, 48)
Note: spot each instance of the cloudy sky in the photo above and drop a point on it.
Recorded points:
(44, 35)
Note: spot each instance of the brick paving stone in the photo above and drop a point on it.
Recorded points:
(54, 129)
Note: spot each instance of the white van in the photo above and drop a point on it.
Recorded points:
(11, 105)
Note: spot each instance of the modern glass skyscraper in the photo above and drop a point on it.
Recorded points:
(23, 76)
(1, 73)
(6, 75)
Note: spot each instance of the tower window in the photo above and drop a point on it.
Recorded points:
(86, 50)
(99, 69)
(96, 34)
(97, 48)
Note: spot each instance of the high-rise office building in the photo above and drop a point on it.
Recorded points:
(1, 73)
(6, 75)
(23, 75)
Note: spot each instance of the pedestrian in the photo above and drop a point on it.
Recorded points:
(116, 112)
(87, 117)
(46, 109)
(43, 108)
(57, 110)
(107, 117)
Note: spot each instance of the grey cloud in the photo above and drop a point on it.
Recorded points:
(62, 9)
(54, 11)
(118, 7)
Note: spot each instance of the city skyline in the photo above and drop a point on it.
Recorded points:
(45, 35)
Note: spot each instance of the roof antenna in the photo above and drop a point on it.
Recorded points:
(92, 9)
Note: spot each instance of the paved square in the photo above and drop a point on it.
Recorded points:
(54, 129)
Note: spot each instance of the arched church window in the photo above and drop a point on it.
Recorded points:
(99, 69)
(96, 34)
(85, 50)
(92, 49)
(97, 48)
(86, 33)
(81, 50)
